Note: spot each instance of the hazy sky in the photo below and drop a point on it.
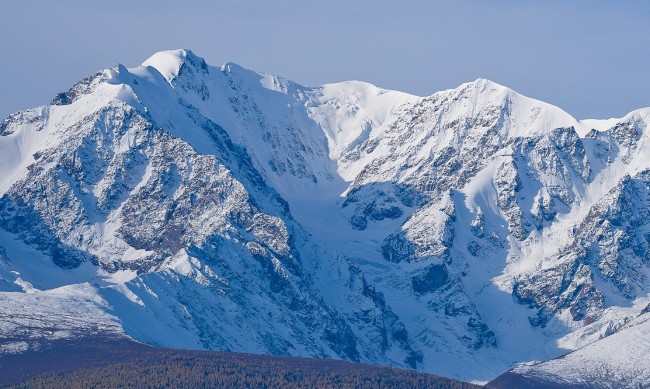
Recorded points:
(591, 58)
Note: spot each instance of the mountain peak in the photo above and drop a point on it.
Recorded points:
(170, 62)
(231, 67)
(484, 86)
(485, 83)
(525, 115)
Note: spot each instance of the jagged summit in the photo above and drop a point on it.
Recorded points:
(487, 89)
(483, 84)
(535, 115)
(170, 62)
(167, 62)
(539, 116)
(194, 206)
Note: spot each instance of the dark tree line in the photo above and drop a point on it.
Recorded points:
(184, 369)
(121, 363)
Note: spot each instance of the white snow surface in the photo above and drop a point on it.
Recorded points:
(621, 360)
(462, 176)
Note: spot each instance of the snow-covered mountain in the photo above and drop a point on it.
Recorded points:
(187, 205)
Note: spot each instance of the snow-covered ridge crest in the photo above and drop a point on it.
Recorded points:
(352, 112)
(527, 116)
(220, 207)
(169, 62)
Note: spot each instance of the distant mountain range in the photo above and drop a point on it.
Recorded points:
(464, 233)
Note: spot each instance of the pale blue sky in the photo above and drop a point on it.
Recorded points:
(591, 58)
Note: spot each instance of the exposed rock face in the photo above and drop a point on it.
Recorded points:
(220, 208)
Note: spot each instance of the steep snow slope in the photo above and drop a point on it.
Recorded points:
(620, 360)
(194, 206)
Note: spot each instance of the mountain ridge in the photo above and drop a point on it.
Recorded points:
(221, 208)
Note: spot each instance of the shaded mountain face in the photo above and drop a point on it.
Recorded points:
(187, 205)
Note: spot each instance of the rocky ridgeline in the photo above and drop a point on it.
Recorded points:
(225, 209)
